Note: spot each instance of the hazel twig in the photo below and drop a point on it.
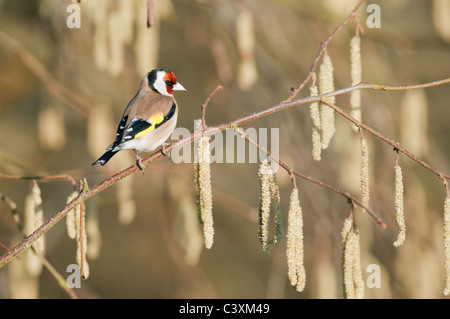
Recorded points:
(204, 105)
(321, 51)
(59, 279)
(348, 196)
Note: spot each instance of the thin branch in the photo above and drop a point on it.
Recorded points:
(53, 86)
(323, 47)
(393, 143)
(59, 279)
(13, 207)
(204, 105)
(348, 196)
(47, 225)
(44, 178)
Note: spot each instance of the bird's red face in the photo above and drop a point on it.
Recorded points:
(164, 82)
(170, 80)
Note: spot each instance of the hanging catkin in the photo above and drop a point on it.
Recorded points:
(315, 120)
(265, 174)
(269, 198)
(81, 236)
(326, 85)
(355, 73)
(447, 246)
(295, 249)
(70, 217)
(33, 219)
(399, 206)
(364, 174)
(204, 192)
(351, 264)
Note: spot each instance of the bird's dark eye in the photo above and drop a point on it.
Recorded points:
(169, 83)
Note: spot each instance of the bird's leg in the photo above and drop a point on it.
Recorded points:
(139, 162)
(163, 149)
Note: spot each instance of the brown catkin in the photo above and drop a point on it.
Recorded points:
(315, 120)
(70, 217)
(94, 235)
(447, 246)
(38, 219)
(125, 201)
(351, 264)
(357, 272)
(116, 43)
(81, 236)
(99, 14)
(326, 85)
(245, 36)
(295, 249)
(82, 242)
(51, 128)
(99, 126)
(347, 265)
(414, 122)
(441, 18)
(191, 237)
(32, 262)
(399, 206)
(204, 192)
(265, 175)
(355, 73)
(364, 174)
(276, 204)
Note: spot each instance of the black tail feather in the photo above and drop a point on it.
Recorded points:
(105, 158)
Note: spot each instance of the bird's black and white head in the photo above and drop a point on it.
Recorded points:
(164, 82)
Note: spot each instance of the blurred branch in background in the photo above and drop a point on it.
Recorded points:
(53, 86)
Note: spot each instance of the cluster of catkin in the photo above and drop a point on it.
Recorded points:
(270, 205)
(121, 25)
(351, 261)
(269, 199)
(24, 275)
(295, 247)
(323, 128)
(326, 85)
(322, 118)
(76, 229)
(34, 217)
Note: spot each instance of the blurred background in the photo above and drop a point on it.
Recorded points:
(63, 91)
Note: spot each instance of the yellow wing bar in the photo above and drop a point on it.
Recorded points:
(155, 120)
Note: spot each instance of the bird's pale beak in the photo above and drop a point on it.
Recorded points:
(178, 87)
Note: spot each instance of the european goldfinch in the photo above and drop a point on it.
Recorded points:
(149, 118)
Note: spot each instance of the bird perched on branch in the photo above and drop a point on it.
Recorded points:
(149, 118)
